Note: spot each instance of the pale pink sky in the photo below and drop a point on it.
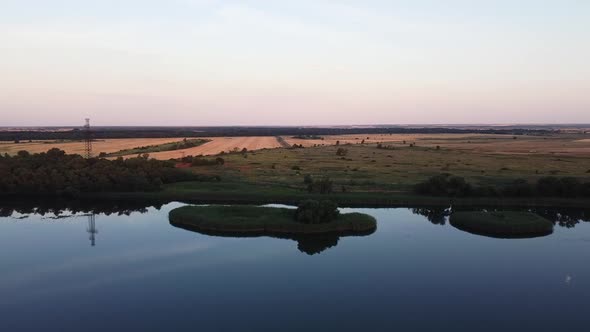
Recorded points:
(306, 62)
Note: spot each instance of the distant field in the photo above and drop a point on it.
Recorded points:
(489, 143)
(563, 145)
(217, 145)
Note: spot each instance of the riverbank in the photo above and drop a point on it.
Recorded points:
(227, 193)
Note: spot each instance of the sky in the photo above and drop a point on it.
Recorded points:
(304, 62)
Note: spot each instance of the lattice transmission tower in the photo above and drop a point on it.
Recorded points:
(87, 140)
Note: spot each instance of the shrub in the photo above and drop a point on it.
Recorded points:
(204, 162)
(447, 185)
(341, 152)
(314, 212)
(323, 186)
(444, 185)
(23, 154)
(518, 188)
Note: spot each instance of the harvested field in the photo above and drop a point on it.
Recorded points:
(217, 145)
(107, 145)
(385, 138)
(496, 144)
(222, 144)
(558, 144)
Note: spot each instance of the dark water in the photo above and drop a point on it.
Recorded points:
(416, 272)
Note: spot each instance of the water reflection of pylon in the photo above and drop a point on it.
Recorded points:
(92, 229)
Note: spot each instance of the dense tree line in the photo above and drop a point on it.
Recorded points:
(549, 186)
(56, 173)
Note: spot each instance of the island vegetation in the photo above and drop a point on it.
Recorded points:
(502, 224)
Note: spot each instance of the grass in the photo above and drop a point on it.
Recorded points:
(263, 220)
(368, 176)
(277, 176)
(368, 169)
(505, 224)
(171, 146)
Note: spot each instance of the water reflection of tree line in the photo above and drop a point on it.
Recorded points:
(58, 208)
(563, 217)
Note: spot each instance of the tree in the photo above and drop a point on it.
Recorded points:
(23, 154)
(314, 212)
(323, 186)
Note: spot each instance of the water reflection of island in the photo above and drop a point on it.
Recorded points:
(308, 244)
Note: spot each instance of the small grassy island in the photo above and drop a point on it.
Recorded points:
(502, 224)
(255, 220)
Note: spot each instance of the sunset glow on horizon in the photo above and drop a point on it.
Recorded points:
(307, 62)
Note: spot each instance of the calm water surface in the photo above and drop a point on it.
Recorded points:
(144, 274)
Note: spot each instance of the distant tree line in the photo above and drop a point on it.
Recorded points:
(165, 132)
(549, 186)
(56, 173)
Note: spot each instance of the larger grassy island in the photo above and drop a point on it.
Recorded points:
(255, 220)
(315, 226)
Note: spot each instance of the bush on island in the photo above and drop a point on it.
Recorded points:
(314, 212)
